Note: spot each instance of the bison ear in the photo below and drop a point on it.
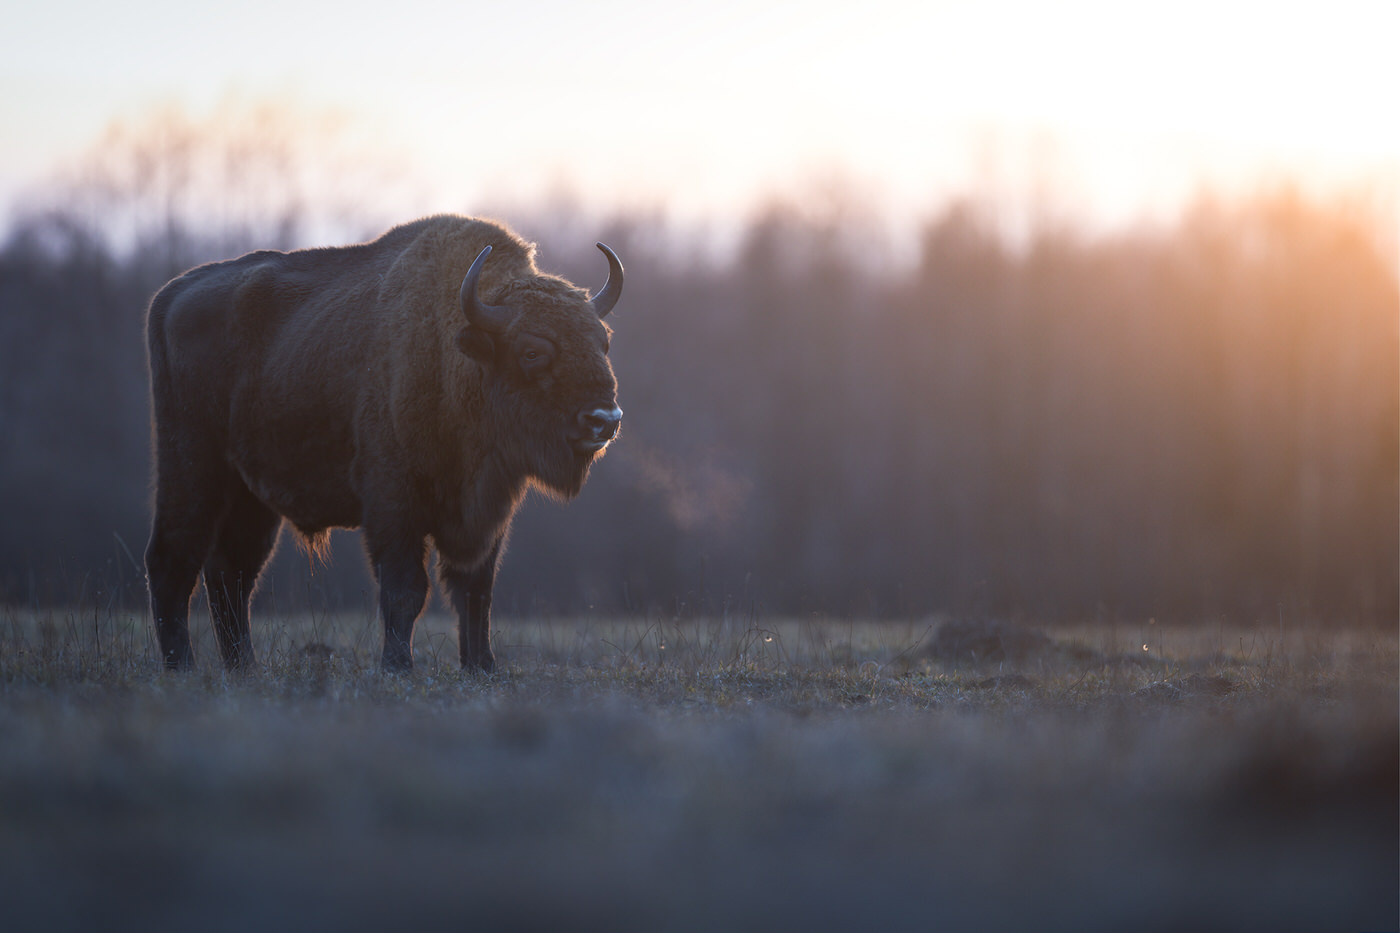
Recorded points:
(477, 344)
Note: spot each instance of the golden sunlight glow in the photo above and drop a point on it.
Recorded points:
(1101, 108)
(1105, 107)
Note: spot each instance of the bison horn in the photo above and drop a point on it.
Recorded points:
(490, 318)
(604, 301)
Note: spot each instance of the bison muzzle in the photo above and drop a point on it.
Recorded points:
(415, 387)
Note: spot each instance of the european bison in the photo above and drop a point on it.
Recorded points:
(414, 386)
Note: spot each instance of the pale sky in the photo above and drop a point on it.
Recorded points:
(697, 110)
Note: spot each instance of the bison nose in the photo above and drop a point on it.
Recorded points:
(601, 423)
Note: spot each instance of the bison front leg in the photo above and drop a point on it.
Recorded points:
(403, 590)
(470, 591)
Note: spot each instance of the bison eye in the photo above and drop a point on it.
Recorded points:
(535, 356)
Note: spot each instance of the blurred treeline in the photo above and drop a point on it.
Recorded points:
(1184, 420)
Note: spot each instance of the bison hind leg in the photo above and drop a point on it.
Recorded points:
(171, 575)
(245, 540)
(181, 536)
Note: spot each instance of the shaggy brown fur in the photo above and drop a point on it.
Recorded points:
(347, 388)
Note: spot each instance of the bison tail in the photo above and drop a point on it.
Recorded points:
(155, 337)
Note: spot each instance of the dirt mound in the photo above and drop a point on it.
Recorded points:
(988, 642)
(1193, 685)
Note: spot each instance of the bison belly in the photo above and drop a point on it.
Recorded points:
(299, 460)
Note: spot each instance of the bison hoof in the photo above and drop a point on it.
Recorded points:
(396, 663)
(240, 662)
(183, 661)
(483, 663)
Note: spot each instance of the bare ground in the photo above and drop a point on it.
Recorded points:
(706, 775)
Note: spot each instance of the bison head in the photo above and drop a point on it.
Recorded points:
(545, 347)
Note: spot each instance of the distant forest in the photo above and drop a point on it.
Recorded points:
(1192, 420)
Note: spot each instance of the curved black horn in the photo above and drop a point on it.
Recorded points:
(604, 301)
(491, 318)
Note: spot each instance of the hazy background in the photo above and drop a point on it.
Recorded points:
(1086, 312)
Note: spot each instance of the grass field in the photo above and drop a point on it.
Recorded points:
(709, 774)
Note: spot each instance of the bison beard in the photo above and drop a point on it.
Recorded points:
(406, 386)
